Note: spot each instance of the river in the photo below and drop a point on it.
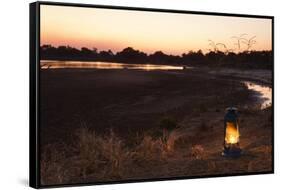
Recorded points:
(263, 94)
(47, 64)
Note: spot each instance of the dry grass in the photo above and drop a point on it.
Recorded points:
(100, 157)
(53, 165)
(94, 157)
(197, 152)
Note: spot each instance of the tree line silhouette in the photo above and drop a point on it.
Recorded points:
(214, 57)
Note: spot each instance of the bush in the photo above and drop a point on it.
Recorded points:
(94, 157)
(197, 152)
(168, 123)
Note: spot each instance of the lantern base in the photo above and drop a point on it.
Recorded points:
(231, 151)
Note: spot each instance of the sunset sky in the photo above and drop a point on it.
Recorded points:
(172, 33)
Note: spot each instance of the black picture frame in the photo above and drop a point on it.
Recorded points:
(34, 93)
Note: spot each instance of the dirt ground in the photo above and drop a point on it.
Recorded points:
(122, 111)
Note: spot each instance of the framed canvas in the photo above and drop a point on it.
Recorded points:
(123, 94)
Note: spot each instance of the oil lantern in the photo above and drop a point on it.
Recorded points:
(231, 133)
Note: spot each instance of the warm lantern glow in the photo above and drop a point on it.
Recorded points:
(231, 133)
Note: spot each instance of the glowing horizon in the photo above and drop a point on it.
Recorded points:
(172, 33)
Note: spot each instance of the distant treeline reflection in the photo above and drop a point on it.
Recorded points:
(245, 59)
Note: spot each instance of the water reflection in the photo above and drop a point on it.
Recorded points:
(264, 93)
(104, 65)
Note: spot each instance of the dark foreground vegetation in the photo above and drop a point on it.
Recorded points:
(216, 58)
(112, 125)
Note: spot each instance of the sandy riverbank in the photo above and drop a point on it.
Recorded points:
(132, 104)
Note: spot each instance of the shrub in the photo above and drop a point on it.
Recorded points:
(168, 123)
(101, 157)
(197, 152)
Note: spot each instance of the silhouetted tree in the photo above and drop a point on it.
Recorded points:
(130, 55)
(219, 55)
(238, 39)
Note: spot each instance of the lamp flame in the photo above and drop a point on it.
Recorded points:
(231, 134)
